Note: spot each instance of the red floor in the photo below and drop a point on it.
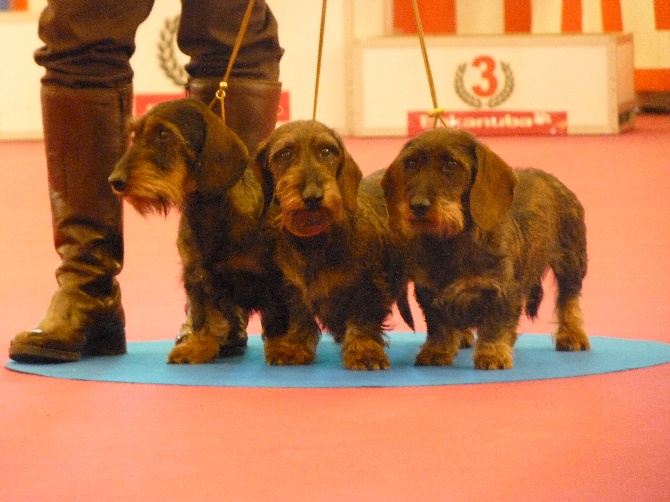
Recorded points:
(601, 438)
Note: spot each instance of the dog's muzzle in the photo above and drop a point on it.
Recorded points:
(419, 207)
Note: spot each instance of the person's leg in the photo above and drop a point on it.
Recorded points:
(207, 34)
(86, 102)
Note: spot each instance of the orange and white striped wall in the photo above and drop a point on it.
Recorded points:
(648, 20)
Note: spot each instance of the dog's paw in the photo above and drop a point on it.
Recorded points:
(432, 355)
(571, 341)
(194, 350)
(279, 352)
(364, 355)
(493, 356)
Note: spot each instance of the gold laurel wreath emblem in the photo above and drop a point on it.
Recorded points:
(507, 89)
(167, 56)
(474, 101)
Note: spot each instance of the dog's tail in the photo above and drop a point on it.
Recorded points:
(533, 300)
(404, 308)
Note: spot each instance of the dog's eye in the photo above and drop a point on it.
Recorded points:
(283, 156)
(411, 164)
(450, 165)
(328, 151)
(163, 134)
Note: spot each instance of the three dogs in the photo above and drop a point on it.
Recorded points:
(482, 236)
(297, 234)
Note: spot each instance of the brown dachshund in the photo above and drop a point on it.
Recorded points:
(183, 156)
(334, 246)
(482, 237)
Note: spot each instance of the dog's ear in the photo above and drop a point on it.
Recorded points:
(348, 180)
(259, 166)
(391, 183)
(493, 189)
(223, 157)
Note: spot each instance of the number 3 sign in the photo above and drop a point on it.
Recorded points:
(487, 85)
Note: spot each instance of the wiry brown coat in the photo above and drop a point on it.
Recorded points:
(335, 246)
(183, 156)
(482, 237)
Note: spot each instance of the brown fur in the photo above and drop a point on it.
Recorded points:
(482, 237)
(335, 245)
(183, 156)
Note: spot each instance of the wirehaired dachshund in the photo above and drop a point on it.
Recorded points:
(334, 246)
(182, 156)
(482, 237)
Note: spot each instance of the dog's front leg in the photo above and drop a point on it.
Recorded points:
(196, 343)
(495, 344)
(290, 333)
(363, 347)
(442, 340)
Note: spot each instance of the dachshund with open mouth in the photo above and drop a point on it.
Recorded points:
(334, 246)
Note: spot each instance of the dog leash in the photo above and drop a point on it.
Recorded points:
(220, 94)
(319, 56)
(437, 112)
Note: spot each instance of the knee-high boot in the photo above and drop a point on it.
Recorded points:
(84, 134)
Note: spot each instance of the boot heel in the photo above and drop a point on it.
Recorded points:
(106, 339)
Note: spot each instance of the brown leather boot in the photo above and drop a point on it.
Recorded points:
(85, 134)
(251, 111)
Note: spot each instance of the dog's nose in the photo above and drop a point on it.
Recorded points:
(419, 206)
(312, 196)
(313, 203)
(118, 184)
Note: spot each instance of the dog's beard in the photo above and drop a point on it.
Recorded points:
(149, 194)
(296, 218)
(154, 201)
(145, 207)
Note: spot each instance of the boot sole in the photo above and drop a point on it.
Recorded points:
(25, 353)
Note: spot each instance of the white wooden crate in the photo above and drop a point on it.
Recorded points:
(495, 82)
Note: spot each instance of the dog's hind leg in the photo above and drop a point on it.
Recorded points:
(570, 335)
(570, 269)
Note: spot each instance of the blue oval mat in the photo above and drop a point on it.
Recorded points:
(535, 359)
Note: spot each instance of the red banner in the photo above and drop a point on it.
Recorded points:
(494, 123)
